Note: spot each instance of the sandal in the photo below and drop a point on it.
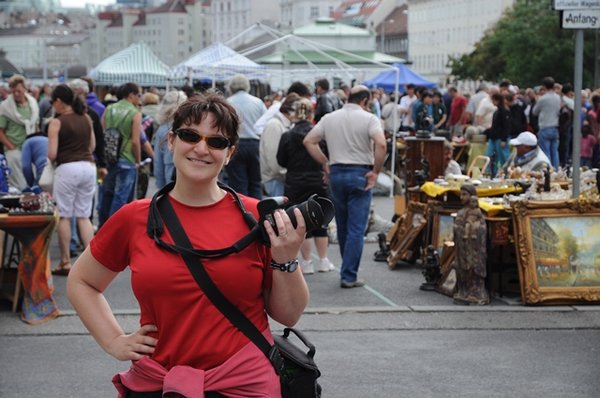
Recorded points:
(63, 269)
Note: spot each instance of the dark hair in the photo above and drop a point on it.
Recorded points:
(68, 97)
(299, 88)
(505, 83)
(586, 130)
(437, 94)
(126, 89)
(287, 106)
(90, 83)
(358, 96)
(194, 110)
(548, 82)
(426, 93)
(323, 83)
(500, 99)
(567, 88)
(409, 86)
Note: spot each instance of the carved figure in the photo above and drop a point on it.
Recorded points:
(470, 248)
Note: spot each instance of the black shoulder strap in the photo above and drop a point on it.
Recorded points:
(231, 312)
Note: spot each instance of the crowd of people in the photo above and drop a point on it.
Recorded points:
(214, 157)
(270, 158)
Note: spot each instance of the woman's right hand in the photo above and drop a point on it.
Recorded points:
(134, 346)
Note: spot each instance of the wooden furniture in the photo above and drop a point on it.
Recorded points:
(34, 233)
(430, 149)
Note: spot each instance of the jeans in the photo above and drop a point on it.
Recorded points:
(274, 188)
(497, 155)
(116, 188)
(548, 141)
(352, 205)
(34, 151)
(243, 170)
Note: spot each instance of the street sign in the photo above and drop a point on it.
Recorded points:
(576, 4)
(581, 19)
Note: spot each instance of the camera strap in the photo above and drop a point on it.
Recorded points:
(212, 292)
(155, 227)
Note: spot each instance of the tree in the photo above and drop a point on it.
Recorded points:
(568, 244)
(525, 45)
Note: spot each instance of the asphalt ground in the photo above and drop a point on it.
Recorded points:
(388, 339)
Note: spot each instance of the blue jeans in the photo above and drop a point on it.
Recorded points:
(548, 141)
(352, 205)
(34, 151)
(116, 188)
(243, 170)
(274, 188)
(497, 155)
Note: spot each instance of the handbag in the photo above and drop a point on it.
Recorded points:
(46, 181)
(295, 367)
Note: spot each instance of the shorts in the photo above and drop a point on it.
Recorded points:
(74, 188)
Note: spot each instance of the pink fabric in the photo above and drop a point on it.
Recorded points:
(247, 374)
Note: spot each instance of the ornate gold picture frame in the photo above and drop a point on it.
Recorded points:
(558, 251)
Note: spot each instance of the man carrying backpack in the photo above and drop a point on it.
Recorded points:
(122, 155)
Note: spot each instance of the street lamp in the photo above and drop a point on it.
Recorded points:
(383, 34)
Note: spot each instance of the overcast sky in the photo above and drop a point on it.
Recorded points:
(82, 3)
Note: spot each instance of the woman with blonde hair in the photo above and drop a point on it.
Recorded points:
(304, 178)
(163, 158)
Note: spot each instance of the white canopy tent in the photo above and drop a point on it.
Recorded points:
(136, 63)
(294, 58)
(218, 63)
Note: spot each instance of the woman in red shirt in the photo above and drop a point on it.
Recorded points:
(184, 344)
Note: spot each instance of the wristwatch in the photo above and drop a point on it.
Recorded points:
(290, 266)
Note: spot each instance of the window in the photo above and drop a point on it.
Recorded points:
(314, 12)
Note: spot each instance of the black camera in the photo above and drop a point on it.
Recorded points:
(316, 210)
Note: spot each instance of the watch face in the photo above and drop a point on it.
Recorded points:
(292, 266)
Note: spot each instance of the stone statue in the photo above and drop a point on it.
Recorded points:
(470, 248)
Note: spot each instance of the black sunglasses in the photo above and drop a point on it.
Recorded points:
(192, 137)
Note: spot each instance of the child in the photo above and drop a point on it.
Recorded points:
(587, 145)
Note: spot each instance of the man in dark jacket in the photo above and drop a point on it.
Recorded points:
(326, 102)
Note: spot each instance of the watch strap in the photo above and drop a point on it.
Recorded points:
(290, 266)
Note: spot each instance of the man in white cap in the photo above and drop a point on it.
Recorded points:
(528, 156)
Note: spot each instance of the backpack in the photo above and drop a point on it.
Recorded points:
(113, 140)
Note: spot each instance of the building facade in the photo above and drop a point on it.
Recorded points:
(440, 29)
(231, 17)
(298, 13)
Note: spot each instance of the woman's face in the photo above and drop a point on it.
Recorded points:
(198, 161)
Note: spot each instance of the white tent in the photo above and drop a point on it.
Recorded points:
(218, 63)
(136, 63)
(291, 57)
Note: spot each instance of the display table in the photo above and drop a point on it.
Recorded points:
(434, 190)
(34, 233)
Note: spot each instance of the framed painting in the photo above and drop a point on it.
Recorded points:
(405, 244)
(558, 251)
(442, 223)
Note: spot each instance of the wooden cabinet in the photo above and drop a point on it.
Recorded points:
(431, 149)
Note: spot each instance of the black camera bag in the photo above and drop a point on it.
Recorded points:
(300, 372)
(296, 368)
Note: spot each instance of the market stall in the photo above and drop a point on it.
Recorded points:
(535, 233)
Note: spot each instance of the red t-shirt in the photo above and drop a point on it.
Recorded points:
(191, 331)
(457, 110)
